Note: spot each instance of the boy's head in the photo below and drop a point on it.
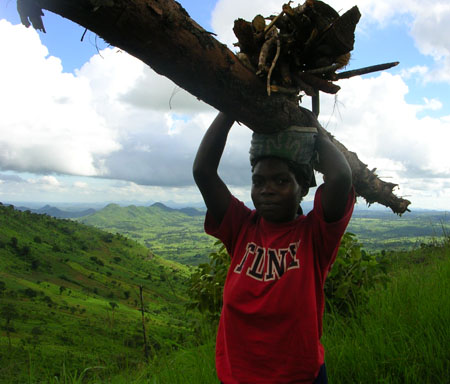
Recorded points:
(282, 171)
(303, 173)
(276, 192)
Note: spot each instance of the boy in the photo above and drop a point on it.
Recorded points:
(271, 321)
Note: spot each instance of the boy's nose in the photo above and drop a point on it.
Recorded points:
(267, 189)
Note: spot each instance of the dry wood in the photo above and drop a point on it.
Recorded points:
(162, 35)
(319, 83)
(364, 71)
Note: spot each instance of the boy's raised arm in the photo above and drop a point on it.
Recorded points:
(337, 177)
(214, 191)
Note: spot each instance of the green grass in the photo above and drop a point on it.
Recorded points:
(176, 235)
(170, 233)
(58, 279)
(401, 335)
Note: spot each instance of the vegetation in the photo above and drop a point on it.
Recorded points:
(380, 230)
(70, 309)
(69, 299)
(179, 235)
(173, 234)
(399, 335)
(354, 273)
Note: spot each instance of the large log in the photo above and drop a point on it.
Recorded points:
(162, 35)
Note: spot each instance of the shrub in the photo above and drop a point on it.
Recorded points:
(35, 264)
(206, 283)
(31, 293)
(56, 248)
(97, 261)
(353, 273)
(2, 286)
(14, 242)
(25, 250)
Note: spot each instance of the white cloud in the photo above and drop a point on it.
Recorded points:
(416, 71)
(112, 118)
(80, 184)
(375, 121)
(48, 121)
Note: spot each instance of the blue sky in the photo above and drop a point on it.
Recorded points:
(84, 122)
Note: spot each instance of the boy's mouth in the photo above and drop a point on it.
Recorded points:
(268, 205)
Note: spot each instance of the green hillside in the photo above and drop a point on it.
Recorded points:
(178, 235)
(170, 233)
(69, 296)
(384, 230)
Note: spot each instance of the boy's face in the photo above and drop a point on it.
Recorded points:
(275, 191)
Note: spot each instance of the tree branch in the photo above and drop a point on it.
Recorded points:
(162, 35)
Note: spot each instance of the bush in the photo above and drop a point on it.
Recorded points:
(31, 293)
(353, 273)
(206, 283)
(2, 286)
(14, 242)
(97, 261)
(35, 264)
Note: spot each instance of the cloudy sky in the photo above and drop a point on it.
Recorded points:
(84, 122)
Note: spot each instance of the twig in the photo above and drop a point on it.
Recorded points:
(329, 68)
(309, 90)
(315, 99)
(284, 90)
(273, 22)
(274, 62)
(84, 33)
(365, 70)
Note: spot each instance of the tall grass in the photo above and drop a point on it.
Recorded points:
(401, 335)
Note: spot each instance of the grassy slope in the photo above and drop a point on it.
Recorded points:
(169, 233)
(400, 336)
(381, 230)
(57, 280)
(177, 236)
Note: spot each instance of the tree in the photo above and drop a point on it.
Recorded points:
(162, 35)
(207, 281)
(2, 287)
(113, 306)
(9, 313)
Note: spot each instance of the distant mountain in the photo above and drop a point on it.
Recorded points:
(178, 234)
(58, 213)
(175, 234)
(187, 211)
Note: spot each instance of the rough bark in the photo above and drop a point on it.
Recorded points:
(162, 35)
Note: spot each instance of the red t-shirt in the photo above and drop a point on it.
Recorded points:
(271, 321)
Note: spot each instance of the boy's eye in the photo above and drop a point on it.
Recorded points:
(282, 181)
(257, 183)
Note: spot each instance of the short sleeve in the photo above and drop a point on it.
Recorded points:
(236, 216)
(327, 236)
